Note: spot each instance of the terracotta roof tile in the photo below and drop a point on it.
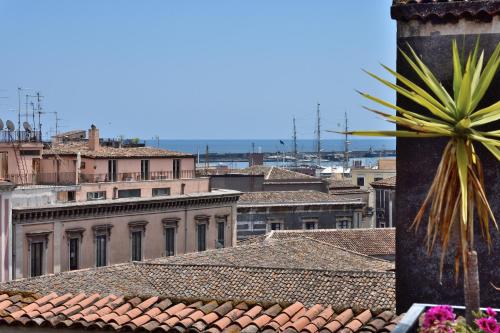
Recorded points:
(106, 152)
(262, 320)
(389, 182)
(300, 252)
(371, 242)
(283, 198)
(61, 299)
(275, 173)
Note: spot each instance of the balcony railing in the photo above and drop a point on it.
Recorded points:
(20, 136)
(69, 178)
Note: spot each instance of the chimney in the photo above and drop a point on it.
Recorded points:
(94, 138)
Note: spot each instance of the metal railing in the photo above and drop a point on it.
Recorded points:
(20, 136)
(69, 178)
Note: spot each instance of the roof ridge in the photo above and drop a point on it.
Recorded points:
(269, 172)
(76, 271)
(339, 272)
(333, 230)
(342, 248)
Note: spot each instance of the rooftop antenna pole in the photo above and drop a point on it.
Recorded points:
(26, 107)
(346, 146)
(57, 123)
(39, 111)
(33, 115)
(294, 143)
(19, 112)
(318, 134)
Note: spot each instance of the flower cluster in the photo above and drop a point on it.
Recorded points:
(488, 323)
(438, 319)
(441, 319)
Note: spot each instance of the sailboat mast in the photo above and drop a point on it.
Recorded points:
(346, 146)
(294, 143)
(318, 134)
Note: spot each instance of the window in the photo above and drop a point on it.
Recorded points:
(98, 195)
(74, 245)
(310, 225)
(275, 226)
(112, 170)
(169, 241)
(177, 168)
(132, 193)
(82, 165)
(202, 236)
(144, 169)
(71, 196)
(136, 245)
(377, 178)
(36, 254)
(361, 181)
(29, 152)
(343, 222)
(220, 234)
(101, 258)
(162, 191)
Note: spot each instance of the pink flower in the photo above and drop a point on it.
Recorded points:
(488, 325)
(438, 315)
(490, 312)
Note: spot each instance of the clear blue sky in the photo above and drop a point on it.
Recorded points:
(196, 69)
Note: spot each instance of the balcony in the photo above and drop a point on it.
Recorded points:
(69, 178)
(20, 136)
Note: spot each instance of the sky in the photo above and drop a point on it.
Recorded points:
(196, 69)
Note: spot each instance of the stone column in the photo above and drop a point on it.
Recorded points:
(6, 189)
(430, 28)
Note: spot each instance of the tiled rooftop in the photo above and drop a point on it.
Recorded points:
(439, 10)
(367, 289)
(386, 182)
(106, 152)
(120, 279)
(275, 173)
(114, 313)
(287, 197)
(372, 290)
(303, 253)
(342, 184)
(213, 193)
(377, 241)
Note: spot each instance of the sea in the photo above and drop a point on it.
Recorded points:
(198, 146)
(272, 146)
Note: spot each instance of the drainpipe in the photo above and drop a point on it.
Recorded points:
(78, 164)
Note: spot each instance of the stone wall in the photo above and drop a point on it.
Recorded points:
(417, 160)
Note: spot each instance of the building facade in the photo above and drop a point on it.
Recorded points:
(260, 178)
(385, 205)
(80, 204)
(70, 236)
(263, 212)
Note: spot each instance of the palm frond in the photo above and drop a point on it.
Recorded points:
(457, 191)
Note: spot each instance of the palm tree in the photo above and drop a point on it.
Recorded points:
(457, 191)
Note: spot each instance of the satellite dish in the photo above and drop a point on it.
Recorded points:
(27, 127)
(1, 124)
(10, 126)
